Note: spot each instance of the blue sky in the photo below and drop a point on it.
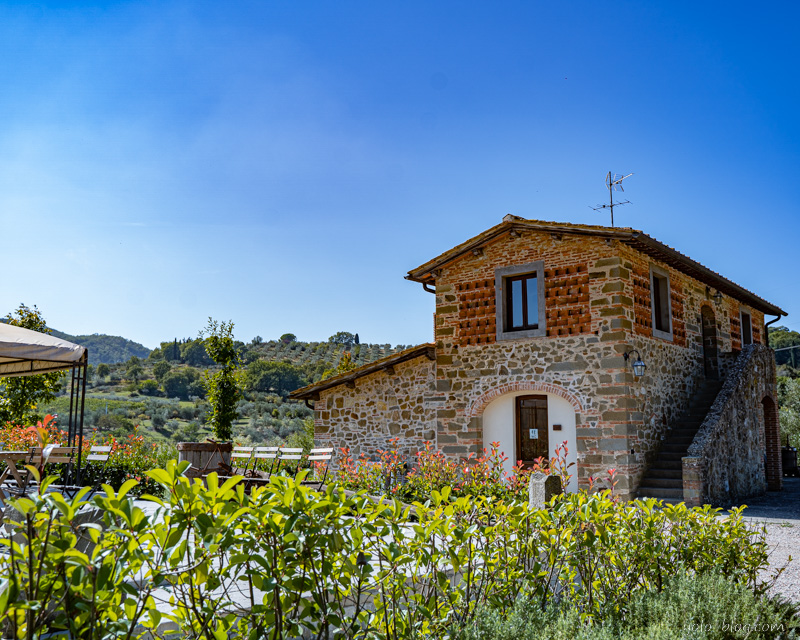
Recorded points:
(285, 164)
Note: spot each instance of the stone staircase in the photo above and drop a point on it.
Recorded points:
(664, 478)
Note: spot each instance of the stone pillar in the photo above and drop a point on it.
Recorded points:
(542, 488)
(693, 488)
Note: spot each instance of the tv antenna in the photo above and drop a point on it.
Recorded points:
(613, 183)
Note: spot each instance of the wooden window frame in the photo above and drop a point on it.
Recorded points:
(742, 314)
(504, 276)
(657, 272)
(524, 279)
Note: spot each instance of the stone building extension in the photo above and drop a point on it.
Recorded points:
(592, 296)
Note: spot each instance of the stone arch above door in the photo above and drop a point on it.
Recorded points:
(480, 403)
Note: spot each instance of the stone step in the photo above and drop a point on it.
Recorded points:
(667, 465)
(701, 403)
(661, 493)
(670, 446)
(675, 438)
(668, 456)
(663, 483)
(682, 432)
(654, 472)
(666, 500)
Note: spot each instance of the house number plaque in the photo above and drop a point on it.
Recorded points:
(533, 434)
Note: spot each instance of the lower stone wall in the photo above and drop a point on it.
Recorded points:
(377, 408)
(726, 462)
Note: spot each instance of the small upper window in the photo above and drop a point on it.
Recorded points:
(747, 328)
(519, 293)
(660, 303)
(522, 302)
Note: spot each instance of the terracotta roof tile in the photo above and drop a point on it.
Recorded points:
(635, 238)
(312, 391)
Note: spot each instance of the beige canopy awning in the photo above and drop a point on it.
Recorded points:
(25, 353)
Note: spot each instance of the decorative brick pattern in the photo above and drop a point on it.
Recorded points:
(643, 317)
(476, 312)
(678, 307)
(736, 328)
(566, 292)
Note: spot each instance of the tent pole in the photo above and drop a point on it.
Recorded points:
(70, 424)
(80, 415)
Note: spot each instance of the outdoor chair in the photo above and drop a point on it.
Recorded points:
(319, 459)
(290, 454)
(265, 453)
(261, 476)
(239, 455)
(40, 457)
(99, 455)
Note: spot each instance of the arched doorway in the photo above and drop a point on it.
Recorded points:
(521, 421)
(710, 344)
(772, 439)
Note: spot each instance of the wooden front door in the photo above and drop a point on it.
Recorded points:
(532, 429)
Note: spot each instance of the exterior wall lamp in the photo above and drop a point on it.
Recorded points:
(716, 296)
(638, 365)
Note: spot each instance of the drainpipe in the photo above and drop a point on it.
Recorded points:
(425, 286)
(766, 328)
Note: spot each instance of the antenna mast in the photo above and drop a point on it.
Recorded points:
(613, 183)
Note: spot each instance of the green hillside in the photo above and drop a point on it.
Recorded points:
(161, 396)
(104, 348)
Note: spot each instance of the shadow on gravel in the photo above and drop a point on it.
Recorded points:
(776, 505)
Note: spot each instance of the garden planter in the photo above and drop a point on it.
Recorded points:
(205, 457)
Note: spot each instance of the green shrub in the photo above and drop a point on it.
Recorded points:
(325, 565)
(701, 607)
(131, 458)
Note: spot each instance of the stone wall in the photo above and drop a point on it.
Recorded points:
(579, 358)
(726, 461)
(597, 296)
(597, 307)
(377, 408)
(674, 367)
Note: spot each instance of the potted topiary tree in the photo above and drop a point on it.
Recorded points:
(222, 391)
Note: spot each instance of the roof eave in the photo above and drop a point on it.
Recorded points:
(425, 272)
(672, 257)
(312, 391)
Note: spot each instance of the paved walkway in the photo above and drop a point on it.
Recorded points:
(780, 512)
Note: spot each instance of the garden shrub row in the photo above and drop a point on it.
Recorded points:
(131, 457)
(287, 561)
(482, 475)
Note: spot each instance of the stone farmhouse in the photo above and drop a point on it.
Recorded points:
(541, 330)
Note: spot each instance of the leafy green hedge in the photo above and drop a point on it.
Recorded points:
(285, 561)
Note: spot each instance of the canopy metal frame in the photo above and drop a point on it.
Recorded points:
(77, 404)
(47, 355)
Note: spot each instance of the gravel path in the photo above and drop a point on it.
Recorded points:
(780, 511)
